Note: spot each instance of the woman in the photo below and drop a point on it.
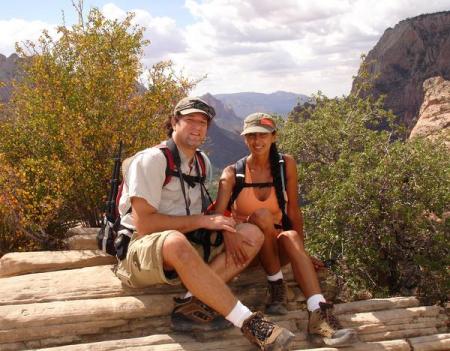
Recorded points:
(258, 203)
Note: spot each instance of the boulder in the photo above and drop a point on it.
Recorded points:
(434, 116)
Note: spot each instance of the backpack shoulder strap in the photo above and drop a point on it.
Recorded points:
(280, 190)
(283, 173)
(171, 168)
(202, 163)
(239, 179)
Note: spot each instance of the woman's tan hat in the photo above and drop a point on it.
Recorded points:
(259, 122)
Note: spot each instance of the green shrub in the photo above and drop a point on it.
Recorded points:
(378, 206)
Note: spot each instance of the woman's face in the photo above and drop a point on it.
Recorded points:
(259, 143)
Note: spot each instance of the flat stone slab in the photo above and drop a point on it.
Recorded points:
(181, 343)
(142, 314)
(18, 263)
(438, 342)
(101, 282)
(67, 285)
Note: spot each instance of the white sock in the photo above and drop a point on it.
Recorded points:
(275, 277)
(188, 294)
(238, 314)
(313, 302)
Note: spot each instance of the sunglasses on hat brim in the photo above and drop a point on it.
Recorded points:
(199, 105)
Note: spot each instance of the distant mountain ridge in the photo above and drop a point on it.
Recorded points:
(8, 71)
(245, 103)
(224, 144)
(225, 116)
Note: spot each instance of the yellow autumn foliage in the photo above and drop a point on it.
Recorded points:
(78, 96)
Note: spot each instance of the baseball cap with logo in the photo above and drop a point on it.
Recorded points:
(194, 104)
(259, 122)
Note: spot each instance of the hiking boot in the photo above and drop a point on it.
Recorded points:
(265, 334)
(277, 301)
(325, 329)
(190, 314)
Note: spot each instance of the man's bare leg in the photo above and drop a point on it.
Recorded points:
(205, 282)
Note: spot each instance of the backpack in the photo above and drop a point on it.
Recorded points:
(280, 188)
(113, 238)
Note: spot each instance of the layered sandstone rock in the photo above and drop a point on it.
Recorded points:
(414, 50)
(88, 308)
(434, 116)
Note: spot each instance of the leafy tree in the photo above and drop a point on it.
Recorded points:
(376, 204)
(79, 95)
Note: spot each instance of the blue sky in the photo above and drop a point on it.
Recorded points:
(50, 10)
(240, 45)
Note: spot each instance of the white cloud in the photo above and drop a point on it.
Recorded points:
(18, 31)
(261, 45)
(162, 32)
(299, 45)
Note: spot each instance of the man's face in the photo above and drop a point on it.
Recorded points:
(191, 129)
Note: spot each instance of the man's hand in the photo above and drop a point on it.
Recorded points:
(234, 248)
(219, 222)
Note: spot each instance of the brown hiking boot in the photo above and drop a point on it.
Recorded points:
(325, 329)
(265, 334)
(191, 314)
(277, 301)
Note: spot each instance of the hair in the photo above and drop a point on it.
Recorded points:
(168, 123)
(274, 159)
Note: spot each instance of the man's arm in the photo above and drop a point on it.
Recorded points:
(147, 220)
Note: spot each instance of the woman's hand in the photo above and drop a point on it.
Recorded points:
(317, 263)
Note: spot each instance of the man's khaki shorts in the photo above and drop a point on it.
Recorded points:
(143, 265)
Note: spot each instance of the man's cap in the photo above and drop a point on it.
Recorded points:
(259, 122)
(194, 104)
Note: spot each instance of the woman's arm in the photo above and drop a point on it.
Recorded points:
(226, 185)
(293, 210)
(233, 241)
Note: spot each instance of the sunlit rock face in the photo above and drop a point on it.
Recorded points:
(414, 50)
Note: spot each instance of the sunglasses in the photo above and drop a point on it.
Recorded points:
(200, 106)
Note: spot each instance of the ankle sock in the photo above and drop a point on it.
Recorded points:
(238, 314)
(313, 302)
(275, 277)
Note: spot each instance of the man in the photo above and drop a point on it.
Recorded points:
(160, 251)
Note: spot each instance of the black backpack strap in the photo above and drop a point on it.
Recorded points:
(204, 236)
(239, 180)
(257, 185)
(172, 168)
(200, 166)
(280, 191)
(201, 163)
